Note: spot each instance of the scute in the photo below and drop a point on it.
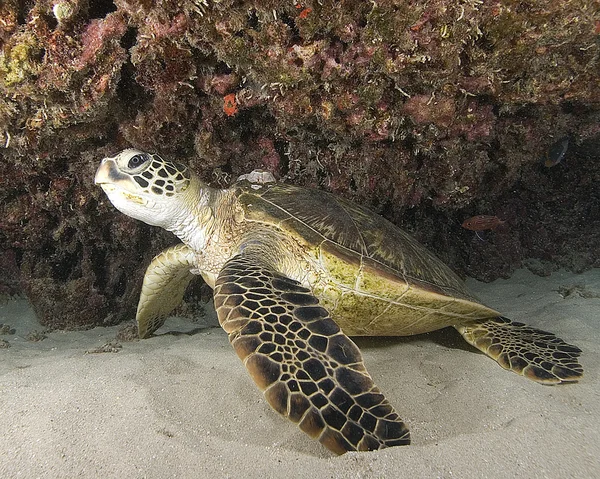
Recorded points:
(351, 233)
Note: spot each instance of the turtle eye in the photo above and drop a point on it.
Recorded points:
(137, 160)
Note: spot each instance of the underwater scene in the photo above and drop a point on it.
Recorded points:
(311, 238)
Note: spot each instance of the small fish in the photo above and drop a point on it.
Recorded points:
(482, 222)
(556, 153)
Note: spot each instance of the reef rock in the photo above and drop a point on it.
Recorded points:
(430, 112)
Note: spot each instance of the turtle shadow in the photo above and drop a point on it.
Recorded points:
(448, 338)
(184, 326)
(190, 332)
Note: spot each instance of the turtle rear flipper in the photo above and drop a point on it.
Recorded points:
(165, 282)
(309, 370)
(530, 352)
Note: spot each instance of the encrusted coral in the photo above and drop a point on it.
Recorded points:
(428, 111)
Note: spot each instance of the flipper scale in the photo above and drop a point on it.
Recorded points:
(538, 355)
(308, 369)
(165, 282)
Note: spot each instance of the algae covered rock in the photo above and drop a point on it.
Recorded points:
(428, 112)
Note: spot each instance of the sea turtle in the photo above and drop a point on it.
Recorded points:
(295, 271)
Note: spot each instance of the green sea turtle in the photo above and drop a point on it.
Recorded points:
(296, 271)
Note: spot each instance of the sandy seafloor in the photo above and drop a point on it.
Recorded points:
(182, 405)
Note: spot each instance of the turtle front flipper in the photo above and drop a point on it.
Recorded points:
(309, 370)
(530, 352)
(165, 282)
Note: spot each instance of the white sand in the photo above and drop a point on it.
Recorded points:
(184, 406)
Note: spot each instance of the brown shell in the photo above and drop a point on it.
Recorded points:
(352, 233)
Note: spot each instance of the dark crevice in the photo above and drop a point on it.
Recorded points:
(121, 286)
(409, 143)
(226, 168)
(129, 92)
(465, 62)
(98, 260)
(253, 22)
(284, 161)
(129, 39)
(352, 185)
(485, 44)
(51, 21)
(495, 151)
(67, 267)
(576, 108)
(23, 11)
(295, 33)
(387, 210)
(101, 8)
(221, 68)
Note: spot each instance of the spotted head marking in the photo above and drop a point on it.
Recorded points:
(143, 185)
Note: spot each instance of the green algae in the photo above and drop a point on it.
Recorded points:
(21, 62)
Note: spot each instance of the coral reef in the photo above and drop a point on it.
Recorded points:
(427, 111)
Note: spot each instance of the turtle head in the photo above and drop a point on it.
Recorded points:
(144, 186)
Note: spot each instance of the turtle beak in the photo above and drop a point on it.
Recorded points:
(108, 175)
(104, 173)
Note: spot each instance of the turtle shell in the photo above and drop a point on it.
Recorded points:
(375, 268)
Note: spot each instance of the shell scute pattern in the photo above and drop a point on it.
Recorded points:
(351, 233)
